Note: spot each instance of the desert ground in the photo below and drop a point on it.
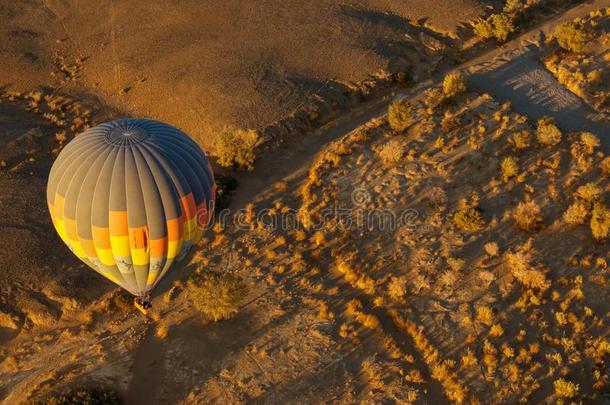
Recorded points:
(440, 237)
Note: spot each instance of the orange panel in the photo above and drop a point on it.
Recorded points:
(139, 237)
(158, 247)
(88, 247)
(118, 223)
(101, 237)
(174, 229)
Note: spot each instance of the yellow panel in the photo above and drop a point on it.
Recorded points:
(110, 277)
(61, 229)
(77, 248)
(152, 277)
(173, 248)
(120, 245)
(139, 257)
(105, 256)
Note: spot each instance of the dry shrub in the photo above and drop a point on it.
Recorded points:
(397, 288)
(485, 315)
(577, 213)
(528, 216)
(483, 28)
(521, 140)
(469, 219)
(391, 152)
(571, 36)
(216, 294)
(318, 238)
(400, 114)
(590, 141)
(521, 265)
(235, 147)
(498, 26)
(565, 389)
(300, 235)
(600, 221)
(356, 278)
(509, 168)
(433, 98)
(491, 249)
(604, 166)
(589, 193)
(450, 122)
(454, 83)
(547, 132)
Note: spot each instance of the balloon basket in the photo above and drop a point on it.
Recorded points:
(142, 305)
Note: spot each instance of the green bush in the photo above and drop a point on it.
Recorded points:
(571, 36)
(217, 295)
(235, 147)
(400, 114)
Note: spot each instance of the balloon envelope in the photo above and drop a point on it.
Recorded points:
(131, 197)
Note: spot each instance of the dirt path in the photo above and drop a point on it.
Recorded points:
(520, 78)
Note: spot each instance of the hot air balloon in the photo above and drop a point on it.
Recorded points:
(130, 198)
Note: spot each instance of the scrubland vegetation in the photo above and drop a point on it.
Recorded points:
(492, 290)
(580, 59)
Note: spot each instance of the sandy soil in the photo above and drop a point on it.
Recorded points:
(209, 64)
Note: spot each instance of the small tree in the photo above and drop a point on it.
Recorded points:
(235, 147)
(513, 7)
(571, 36)
(400, 114)
(483, 28)
(454, 83)
(498, 26)
(217, 295)
(503, 26)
